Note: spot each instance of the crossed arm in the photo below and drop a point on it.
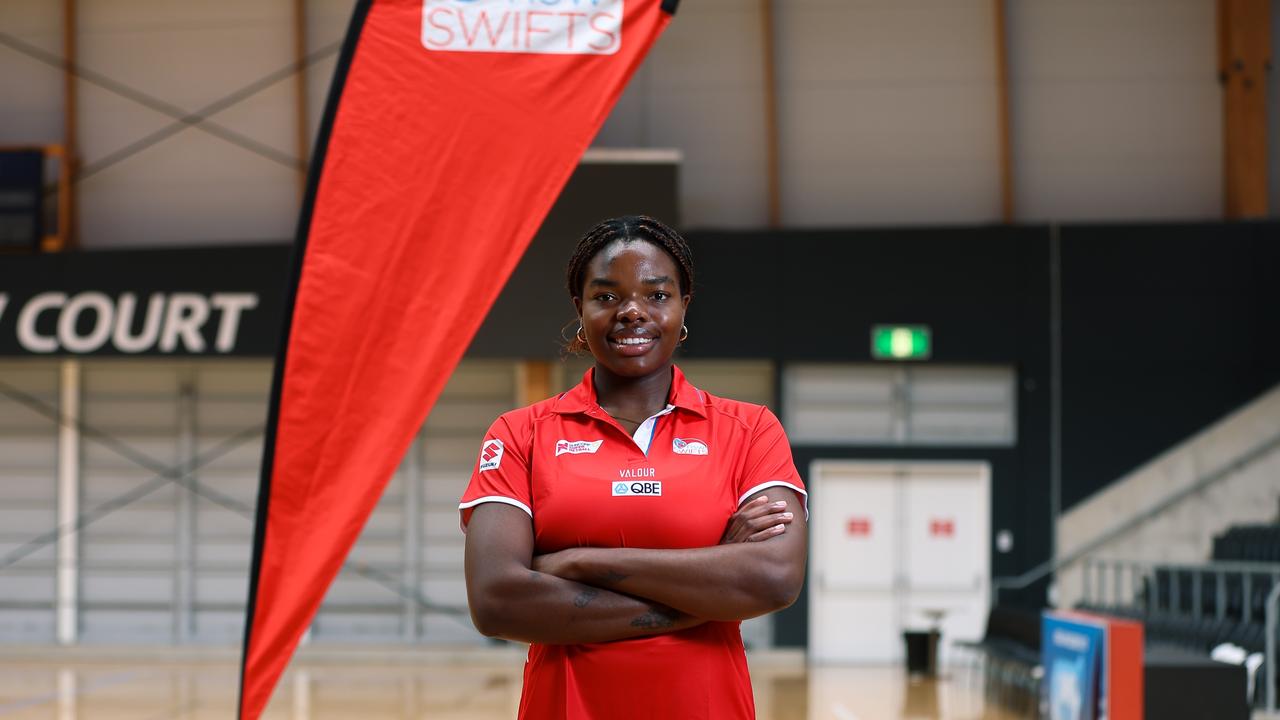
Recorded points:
(598, 594)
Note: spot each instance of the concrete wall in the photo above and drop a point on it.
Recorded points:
(1184, 533)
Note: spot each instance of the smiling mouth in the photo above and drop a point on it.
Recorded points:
(631, 341)
(632, 345)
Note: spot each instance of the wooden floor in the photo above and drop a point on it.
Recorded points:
(369, 687)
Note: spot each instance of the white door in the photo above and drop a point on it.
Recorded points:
(897, 546)
(855, 566)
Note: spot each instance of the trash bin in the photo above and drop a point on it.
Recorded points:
(922, 651)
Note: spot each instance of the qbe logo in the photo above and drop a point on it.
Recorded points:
(652, 488)
(490, 455)
(545, 27)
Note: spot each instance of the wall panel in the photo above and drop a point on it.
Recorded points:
(886, 109)
(128, 583)
(32, 90)
(701, 90)
(192, 188)
(28, 496)
(327, 22)
(1116, 109)
(888, 112)
(230, 410)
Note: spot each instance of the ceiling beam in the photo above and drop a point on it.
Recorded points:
(1003, 124)
(302, 129)
(1244, 57)
(70, 162)
(769, 59)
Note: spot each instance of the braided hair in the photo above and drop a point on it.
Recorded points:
(628, 228)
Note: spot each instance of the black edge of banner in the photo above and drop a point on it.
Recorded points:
(669, 6)
(348, 52)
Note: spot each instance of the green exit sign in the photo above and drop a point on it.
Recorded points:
(901, 342)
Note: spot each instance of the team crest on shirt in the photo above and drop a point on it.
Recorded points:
(577, 447)
(490, 455)
(688, 447)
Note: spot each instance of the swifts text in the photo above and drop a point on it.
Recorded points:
(558, 27)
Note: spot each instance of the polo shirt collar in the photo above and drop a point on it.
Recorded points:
(582, 397)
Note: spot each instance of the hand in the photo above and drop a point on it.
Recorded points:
(558, 563)
(756, 521)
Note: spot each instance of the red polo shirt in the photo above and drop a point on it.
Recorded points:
(586, 482)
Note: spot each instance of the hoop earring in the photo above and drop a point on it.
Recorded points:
(579, 335)
(684, 333)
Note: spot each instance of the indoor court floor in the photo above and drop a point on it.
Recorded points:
(393, 684)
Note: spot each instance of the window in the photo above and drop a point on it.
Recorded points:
(865, 404)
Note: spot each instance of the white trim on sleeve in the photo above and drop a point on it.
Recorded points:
(492, 498)
(804, 496)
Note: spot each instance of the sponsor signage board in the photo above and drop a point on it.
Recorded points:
(1092, 667)
(1071, 649)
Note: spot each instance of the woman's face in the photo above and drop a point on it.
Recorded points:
(631, 307)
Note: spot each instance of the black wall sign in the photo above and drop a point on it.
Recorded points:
(207, 301)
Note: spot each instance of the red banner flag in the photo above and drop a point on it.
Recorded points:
(451, 127)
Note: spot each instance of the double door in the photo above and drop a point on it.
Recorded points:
(896, 546)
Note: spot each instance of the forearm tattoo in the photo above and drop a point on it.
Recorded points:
(655, 619)
(585, 597)
(611, 577)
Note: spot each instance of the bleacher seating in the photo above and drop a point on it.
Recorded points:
(1166, 601)
(1183, 601)
(1249, 543)
(1180, 613)
(1010, 648)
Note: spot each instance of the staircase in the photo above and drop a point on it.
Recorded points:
(1169, 510)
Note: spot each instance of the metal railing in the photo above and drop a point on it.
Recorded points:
(1052, 565)
(1273, 617)
(1118, 568)
(1104, 584)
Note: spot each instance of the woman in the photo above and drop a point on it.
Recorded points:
(625, 527)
